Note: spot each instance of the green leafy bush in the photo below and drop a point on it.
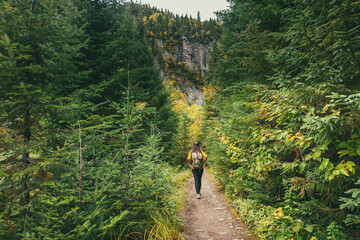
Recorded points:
(283, 125)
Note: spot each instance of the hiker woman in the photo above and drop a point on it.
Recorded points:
(196, 158)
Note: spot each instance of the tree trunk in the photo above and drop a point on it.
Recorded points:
(80, 168)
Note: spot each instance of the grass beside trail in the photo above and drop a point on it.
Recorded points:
(166, 225)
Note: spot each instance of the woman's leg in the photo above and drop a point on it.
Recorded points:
(201, 171)
(197, 178)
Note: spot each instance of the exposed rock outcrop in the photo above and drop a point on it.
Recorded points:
(196, 57)
(193, 95)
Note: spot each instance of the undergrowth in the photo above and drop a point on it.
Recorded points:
(165, 222)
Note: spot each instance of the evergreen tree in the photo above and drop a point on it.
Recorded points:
(39, 47)
(64, 65)
(281, 112)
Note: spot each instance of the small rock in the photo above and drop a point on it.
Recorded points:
(221, 219)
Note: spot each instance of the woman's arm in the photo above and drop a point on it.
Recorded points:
(189, 158)
(205, 157)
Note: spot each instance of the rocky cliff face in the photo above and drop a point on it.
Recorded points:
(195, 56)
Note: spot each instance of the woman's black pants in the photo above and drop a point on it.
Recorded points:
(197, 177)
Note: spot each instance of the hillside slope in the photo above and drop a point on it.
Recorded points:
(181, 46)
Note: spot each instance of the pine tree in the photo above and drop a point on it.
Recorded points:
(38, 40)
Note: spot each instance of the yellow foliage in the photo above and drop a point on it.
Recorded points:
(34, 156)
(4, 130)
(279, 213)
(209, 93)
(7, 6)
(155, 16)
(181, 106)
(140, 105)
(166, 67)
(171, 22)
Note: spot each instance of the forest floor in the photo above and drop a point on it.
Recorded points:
(210, 217)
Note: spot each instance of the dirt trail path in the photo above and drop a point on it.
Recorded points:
(209, 217)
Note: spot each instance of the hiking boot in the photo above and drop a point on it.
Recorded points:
(198, 196)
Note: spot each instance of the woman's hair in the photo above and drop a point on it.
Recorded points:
(196, 148)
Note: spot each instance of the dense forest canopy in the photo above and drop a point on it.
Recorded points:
(285, 106)
(95, 116)
(86, 123)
